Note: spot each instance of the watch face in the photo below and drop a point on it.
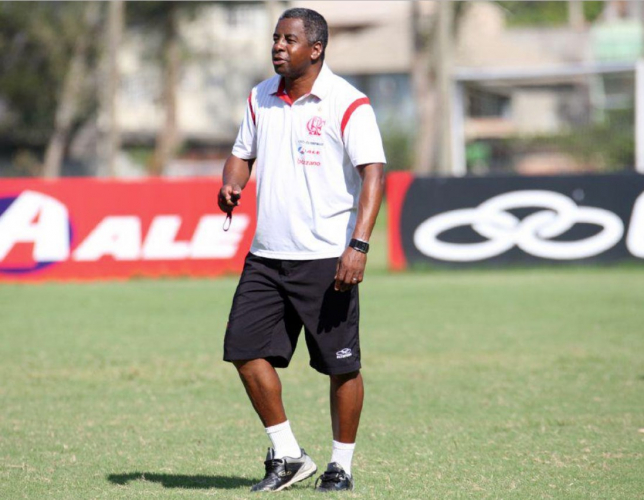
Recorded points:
(361, 246)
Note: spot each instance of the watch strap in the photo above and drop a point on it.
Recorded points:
(359, 245)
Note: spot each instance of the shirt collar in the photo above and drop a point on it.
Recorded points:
(322, 82)
(320, 86)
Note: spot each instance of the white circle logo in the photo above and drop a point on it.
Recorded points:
(533, 234)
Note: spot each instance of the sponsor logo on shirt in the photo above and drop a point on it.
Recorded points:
(314, 125)
(344, 353)
(311, 163)
(308, 155)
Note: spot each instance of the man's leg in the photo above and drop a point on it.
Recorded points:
(261, 324)
(347, 395)
(264, 389)
(331, 321)
(286, 463)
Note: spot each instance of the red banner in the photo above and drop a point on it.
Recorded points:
(397, 186)
(82, 229)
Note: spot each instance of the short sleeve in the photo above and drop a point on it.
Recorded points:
(362, 140)
(245, 146)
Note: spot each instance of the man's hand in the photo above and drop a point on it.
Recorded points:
(229, 196)
(350, 270)
(351, 264)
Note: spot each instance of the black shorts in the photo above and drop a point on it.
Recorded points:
(275, 298)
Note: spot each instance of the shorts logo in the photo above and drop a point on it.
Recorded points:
(314, 125)
(301, 149)
(344, 353)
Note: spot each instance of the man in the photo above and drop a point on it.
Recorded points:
(319, 161)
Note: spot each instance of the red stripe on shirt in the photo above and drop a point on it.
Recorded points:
(250, 105)
(347, 114)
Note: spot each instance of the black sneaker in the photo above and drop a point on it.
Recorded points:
(334, 479)
(283, 472)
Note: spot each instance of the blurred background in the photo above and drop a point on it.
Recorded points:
(138, 89)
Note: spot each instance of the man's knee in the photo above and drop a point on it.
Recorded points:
(240, 364)
(344, 377)
(253, 367)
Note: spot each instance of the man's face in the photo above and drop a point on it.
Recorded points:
(292, 54)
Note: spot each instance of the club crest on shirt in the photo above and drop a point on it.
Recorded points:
(314, 125)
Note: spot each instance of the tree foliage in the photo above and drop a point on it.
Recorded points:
(545, 13)
(36, 43)
(605, 146)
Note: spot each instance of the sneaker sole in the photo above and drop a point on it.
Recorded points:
(305, 472)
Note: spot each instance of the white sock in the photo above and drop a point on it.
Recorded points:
(284, 442)
(343, 454)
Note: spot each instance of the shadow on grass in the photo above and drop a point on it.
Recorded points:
(183, 481)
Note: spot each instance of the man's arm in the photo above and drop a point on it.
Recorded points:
(351, 264)
(235, 178)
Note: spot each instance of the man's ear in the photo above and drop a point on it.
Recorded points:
(317, 51)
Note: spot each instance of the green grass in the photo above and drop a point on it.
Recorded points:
(484, 384)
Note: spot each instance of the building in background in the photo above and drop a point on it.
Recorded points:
(229, 52)
(225, 51)
(542, 99)
(529, 99)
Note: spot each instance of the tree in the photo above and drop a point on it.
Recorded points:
(72, 93)
(36, 43)
(424, 93)
(163, 18)
(167, 141)
(109, 137)
(551, 13)
(433, 38)
(46, 56)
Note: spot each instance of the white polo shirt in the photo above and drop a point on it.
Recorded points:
(307, 151)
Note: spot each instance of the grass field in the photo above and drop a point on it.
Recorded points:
(485, 384)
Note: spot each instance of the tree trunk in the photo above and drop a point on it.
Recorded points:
(576, 15)
(424, 93)
(71, 95)
(109, 143)
(432, 84)
(444, 76)
(167, 141)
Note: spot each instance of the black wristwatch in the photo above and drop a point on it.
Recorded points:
(359, 245)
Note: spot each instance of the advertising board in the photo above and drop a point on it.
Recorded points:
(82, 229)
(464, 222)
